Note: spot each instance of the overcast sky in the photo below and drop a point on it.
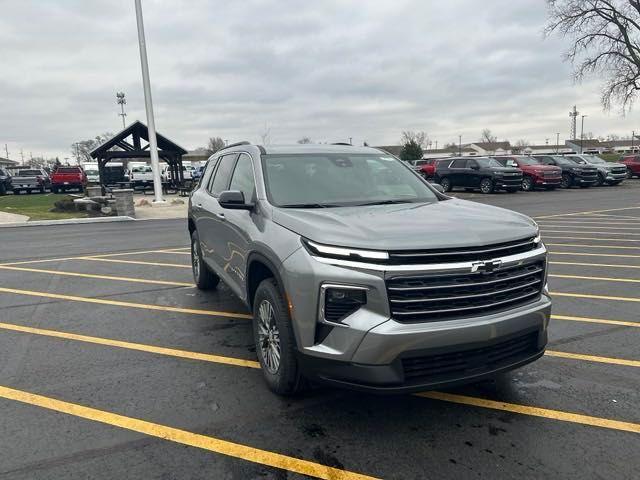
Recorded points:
(329, 70)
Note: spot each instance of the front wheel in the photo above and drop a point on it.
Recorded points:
(527, 184)
(600, 181)
(16, 192)
(3, 189)
(204, 278)
(445, 183)
(486, 185)
(629, 173)
(275, 340)
(566, 181)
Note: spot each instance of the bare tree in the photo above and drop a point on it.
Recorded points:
(82, 149)
(421, 138)
(520, 145)
(451, 146)
(605, 42)
(215, 144)
(305, 141)
(266, 135)
(487, 136)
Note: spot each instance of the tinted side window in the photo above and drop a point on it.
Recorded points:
(460, 163)
(472, 164)
(220, 180)
(206, 174)
(242, 178)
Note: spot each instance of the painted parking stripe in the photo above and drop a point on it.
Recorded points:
(586, 222)
(587, 212)
(100, 277)
(533, 411)
(133, 262)
(569, 318)
(172, 352)
(591, 238)
(581, 264)
(587, 226)
(582, 245)
(595, 297)
(117, 303)
(600, 279)
(595, 254)
(593, 358)
(590, 232)
(183, 437)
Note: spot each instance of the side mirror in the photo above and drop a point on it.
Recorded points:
(234, 200)
(438, 187)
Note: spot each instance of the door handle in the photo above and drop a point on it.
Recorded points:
(220, 216)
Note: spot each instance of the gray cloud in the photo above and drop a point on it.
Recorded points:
(329, 69)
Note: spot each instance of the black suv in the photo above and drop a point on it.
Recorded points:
(484, 173)
(572, 172)
(5, 181)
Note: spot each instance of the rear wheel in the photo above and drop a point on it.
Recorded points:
(3, 189)
(629, 173)
(16, 192)
(446, 184)
(274, 339)
(486, 185)
(205, 279)
(527, 184)
(566, 181)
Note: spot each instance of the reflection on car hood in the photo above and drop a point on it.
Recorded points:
(444, 224)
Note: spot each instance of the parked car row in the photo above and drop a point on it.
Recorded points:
(30, 179)
(526, 172)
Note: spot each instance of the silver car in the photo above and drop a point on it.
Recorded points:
(361, 274)
(608, 172)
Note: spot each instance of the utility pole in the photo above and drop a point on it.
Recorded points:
(148, 103)
(582, 133)
(557, 142)
(350, 139)
(436, 144)
(633, 134)
(122, 102)
(573, 114)
(6, 151)
(459, 145)
(22, 156)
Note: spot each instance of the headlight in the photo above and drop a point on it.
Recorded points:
(342, 252)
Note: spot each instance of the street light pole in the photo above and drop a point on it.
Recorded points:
(557, 142)
(633, 134)
(146, 83)
(459, 145)
(582, 133)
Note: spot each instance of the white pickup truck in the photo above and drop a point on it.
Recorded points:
(140, 175)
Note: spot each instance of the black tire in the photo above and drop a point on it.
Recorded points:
(486, 185)
(629, 173)
(273, 332)
(54, 189)
(41, 190)
(600, 181)
(204, 278)
(566, 181)
(616, 182)
(16, 192)
(527, 184)
(3, 189)
(445, 183)
(29, 191)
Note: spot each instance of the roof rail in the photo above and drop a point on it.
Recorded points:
(237, 144)
(342, 143)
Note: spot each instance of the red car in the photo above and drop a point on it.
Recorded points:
(633, 165)
(427, 168)
(66, 178)
(534, 173)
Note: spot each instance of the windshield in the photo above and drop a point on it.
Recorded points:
(564, 160)
(489, 162)
(28, 173)
(141, 169)
(593, 159)
(334, 180)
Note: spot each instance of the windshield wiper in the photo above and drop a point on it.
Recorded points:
(383, 202)
(308, 205)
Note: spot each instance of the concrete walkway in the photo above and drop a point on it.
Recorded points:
(176, 207)
(12, 218)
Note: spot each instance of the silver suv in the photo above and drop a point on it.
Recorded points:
(361, 274)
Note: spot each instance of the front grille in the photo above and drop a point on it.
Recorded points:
(619, 170)
(470, 361)
(546, 174)
(589, 173)
(428, 298)
(461, 254)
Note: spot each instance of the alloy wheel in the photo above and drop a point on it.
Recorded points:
(527, 184)
(486, 186)
(195, 260)
(268, 337)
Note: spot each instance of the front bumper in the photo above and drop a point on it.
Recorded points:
(371, 350)
(615, 177)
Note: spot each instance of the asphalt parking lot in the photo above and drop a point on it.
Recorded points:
(112, 365)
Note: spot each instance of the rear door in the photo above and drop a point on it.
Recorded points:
(211, 220)
(457, 171)
(472, 177)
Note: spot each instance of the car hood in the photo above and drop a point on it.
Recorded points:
(541, 167)
(611, 165)
(444, 224)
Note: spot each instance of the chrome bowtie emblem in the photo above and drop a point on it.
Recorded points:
(486, 267)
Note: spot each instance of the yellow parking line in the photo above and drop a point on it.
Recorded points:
(595, 297)
(588, 226)
(183, 437)
(587, 213)
(533, 411)
(603, 279)
(589, 246)
(546, 230)
(621, 323)
(174, 252)
(595, 254)
(205, 357)
(593, 358)
(591, 238)
(133, 262)
(101, 277)
(103, 301)
(580, 264)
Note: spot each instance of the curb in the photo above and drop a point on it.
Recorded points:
(68, 221)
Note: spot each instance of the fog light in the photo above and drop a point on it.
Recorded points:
(342, 302)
